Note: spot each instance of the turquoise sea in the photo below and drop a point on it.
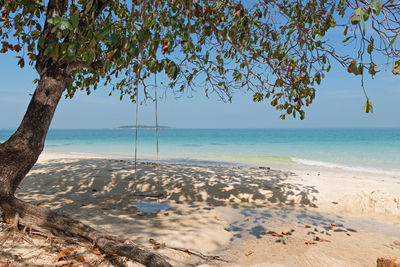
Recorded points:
(376, 150)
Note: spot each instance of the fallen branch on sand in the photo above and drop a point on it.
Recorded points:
(20, 213)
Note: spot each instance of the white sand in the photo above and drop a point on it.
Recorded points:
(224, 211)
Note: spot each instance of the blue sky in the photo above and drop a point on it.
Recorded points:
(339, 103)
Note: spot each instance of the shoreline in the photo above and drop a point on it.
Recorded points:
(294, 164)
(224, 211)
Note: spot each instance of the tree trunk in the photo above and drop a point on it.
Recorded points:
(21, 151)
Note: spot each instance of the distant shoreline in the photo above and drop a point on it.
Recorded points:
(142, 127)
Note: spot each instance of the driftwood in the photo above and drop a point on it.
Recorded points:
(147, 194)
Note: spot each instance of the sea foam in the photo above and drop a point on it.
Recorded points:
(344, 167)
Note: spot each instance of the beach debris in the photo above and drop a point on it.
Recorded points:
(63, 255)
(147, 194)
(216, 218)
(264, 168)
(80, 258)
(321, 239)
(310, 243)
(388, 262)
(188, 251)
(71, 265)
(336, 225)
(249, 253)
(275, 234)
(94, 190)
(287, 233)
(155, 244)
(96, 251)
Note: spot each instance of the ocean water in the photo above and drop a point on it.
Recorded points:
(375, 150)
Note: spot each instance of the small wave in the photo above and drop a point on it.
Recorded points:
(218, 144)
(192, 145)
(343, 167)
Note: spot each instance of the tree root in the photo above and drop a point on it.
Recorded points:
(38, 218)
(202, 256)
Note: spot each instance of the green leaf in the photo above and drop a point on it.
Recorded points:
(21, 63)
(257, 97)
(302, 115)
(395, 71)
(54, 21)
(371, 69)
(368, 107)
(40, 42)
(71, 51)
(140, 35)
(75, 20)
(65, 25)
(376, 7)
(114, 39)
(360, 12)
(345, 40)
(370, 48)
(355, 19)
(392, 41)
(54, 53)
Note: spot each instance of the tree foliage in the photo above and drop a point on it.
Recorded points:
(280, 50)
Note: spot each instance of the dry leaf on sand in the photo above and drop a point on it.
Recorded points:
(249, 253)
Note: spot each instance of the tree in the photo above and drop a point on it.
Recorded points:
(277, 49)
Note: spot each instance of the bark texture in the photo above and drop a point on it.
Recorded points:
(21, 151)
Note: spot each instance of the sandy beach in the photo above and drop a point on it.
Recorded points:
(213, 215)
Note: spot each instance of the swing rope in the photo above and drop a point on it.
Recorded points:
(155, 86)
(136, 134)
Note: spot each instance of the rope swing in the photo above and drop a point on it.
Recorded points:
(155, 89)
(136, 134)
(136, 127)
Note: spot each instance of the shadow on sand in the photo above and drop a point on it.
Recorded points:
(101, 192)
